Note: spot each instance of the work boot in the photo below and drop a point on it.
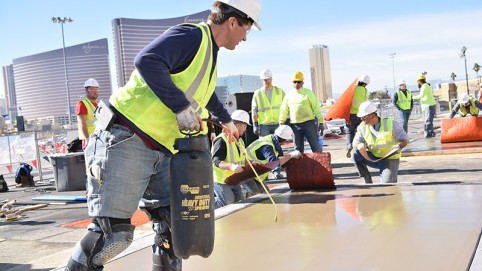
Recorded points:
(363, 171)
(348, 152)
(164, 263)
(75, 266)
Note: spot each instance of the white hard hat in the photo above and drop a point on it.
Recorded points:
(366, 108)
(364, 79)
(265, 74)
(240, 115)
(252, 8)
(402, 82)
(464, 98)
(91, 82)
(284, 131)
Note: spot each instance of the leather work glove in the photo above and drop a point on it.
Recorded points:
(295, 154)
(189, 120)
(235, 168)
(397, 148)
(256, 128)
(230, 130)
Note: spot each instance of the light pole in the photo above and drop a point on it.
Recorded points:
(62, 21)
(462, 55)
(392, 56)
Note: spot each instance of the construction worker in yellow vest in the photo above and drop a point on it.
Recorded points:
(427, 102)
(266, 104)
(361, 95)
(303, 110)
(403, 101)
(268, 149)
(229, 159)
(85, 110)
(466, 105)
(377, 137)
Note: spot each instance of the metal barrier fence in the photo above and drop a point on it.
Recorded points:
(34, 148)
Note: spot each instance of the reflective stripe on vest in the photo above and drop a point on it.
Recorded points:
(473, 109)
(90, 119)
(361, 95)
(138, 103)
(268, 112)
(256, 145)
(383, 143)
(403, 101)
(232, 156)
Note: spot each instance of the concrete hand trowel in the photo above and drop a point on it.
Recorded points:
(364, 153)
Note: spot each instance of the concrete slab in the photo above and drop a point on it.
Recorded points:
(401, 227)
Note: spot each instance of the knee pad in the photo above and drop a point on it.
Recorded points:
(161, 224)
(94, 250)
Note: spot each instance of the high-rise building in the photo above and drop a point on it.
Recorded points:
(240, 83)
(40, 87)
(9, 87)
(321, 72)
(131, 35)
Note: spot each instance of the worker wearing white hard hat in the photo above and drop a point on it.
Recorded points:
(168, 94)
(467, 105)
(265, 105)
(85, 110)
(360, 96)
(427, 102)
(227, 160)
(378, 143)
(268, 149)
(403, 101)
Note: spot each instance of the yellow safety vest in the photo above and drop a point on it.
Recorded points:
(90, 118)
(473, 109)
(404, 101)
(268, 111)
(383, 143)
(256, 145)
(233, 155)
(361, 95)
(138, 103)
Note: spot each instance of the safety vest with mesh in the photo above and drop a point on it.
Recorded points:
(382, 144)
(233, 155)
(404, 100)
(256, 145)
(90, 118)
(138, 103)
(361, 95)
(473, 109)
(268, 111)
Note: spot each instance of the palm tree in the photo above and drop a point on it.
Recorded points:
(453, 75)
(476, 68)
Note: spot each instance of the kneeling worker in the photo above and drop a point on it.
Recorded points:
(466, 105)
(228, 159)
(268, 149)
(377, 137)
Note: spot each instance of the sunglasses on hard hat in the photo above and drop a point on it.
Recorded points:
(297, 82)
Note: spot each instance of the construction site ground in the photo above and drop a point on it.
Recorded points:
(430, 220)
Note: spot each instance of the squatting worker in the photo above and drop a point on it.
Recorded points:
(171, 87)
(466, 105)
(378, 137)
(85, 110)
(303, 109)
(265, 105)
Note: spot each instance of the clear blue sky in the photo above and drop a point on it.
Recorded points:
(425, 35)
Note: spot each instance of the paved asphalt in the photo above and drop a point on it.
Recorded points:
(38, 241)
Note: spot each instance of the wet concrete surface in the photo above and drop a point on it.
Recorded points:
(425, 161)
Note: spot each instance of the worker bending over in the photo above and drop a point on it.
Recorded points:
(466, 105)
(376, 137)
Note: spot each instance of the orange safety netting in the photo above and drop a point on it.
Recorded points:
(461, 129)
(341, 108)
(312, 171)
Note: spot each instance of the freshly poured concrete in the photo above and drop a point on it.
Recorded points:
(404, 227)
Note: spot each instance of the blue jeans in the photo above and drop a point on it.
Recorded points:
(265, 130)
(404, 116)
(309, 130)
(429, 114)
(388, 167)
(350, 134)
(121, 170)
(227, 194)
